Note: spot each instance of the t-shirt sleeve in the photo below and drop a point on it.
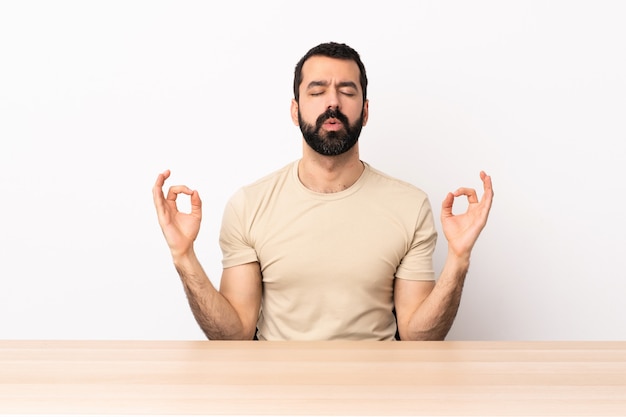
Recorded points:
(235, 242)
(417, 264)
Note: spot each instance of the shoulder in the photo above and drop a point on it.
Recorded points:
(392, 185)
(264, 186)
(271, 178)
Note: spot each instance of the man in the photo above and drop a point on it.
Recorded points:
(326, 247)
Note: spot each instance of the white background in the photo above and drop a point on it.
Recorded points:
(97, 98)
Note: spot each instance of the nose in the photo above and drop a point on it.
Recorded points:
(333, 100)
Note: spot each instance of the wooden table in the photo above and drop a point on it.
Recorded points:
(313, 378)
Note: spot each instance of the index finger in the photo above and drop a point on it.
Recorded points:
(470, 193)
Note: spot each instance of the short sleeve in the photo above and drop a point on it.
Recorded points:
(417, 264)
(234, 240)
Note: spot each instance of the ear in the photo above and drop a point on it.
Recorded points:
(366, 111)
(294, 112)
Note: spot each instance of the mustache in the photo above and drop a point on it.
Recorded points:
(332, 114)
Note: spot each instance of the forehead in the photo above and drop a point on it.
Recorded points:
(332, 70)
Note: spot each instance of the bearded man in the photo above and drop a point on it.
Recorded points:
(327, 247)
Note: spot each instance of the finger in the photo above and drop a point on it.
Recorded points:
(487, 185)
(196, 204)
(469, 192)
(174, 190)
(488, 190)
(161, 179)
(157, 190)
(446, 205)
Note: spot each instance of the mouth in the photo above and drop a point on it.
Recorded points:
(332, 124)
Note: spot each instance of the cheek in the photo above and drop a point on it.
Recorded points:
(310, 114)
(355, 109)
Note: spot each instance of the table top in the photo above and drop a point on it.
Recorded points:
(313, 378)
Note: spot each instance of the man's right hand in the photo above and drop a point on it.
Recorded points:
(180, 229)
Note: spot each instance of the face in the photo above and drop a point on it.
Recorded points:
(330, 111)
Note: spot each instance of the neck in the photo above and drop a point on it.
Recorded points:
(329, 174)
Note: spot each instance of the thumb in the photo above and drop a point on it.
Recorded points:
(446, 206)
(196, 204)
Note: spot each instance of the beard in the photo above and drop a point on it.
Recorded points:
(331, 143)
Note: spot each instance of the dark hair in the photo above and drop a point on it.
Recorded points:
(331, 50)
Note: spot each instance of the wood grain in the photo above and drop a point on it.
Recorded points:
(313, 378)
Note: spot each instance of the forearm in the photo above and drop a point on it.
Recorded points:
(214, 314)
(435, 315)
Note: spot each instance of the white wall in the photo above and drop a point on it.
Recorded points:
(96, 98)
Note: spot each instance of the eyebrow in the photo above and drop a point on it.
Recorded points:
(325, 84)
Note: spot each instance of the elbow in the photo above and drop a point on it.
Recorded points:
(424, 333)
(233, 333)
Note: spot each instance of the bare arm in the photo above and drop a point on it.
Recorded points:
(426, 310)
(230, 313)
